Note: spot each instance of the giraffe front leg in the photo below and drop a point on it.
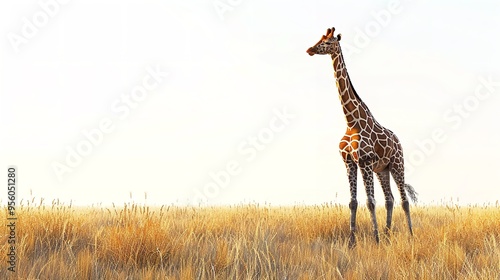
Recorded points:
(367, 172)
(352, 170)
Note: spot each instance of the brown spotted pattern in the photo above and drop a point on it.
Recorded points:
(366, 144)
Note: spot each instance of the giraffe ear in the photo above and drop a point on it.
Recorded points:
(339, 36)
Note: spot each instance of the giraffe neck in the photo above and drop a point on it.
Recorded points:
(355, 110)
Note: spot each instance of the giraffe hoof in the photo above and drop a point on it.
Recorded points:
(352, 241)
(387, 235)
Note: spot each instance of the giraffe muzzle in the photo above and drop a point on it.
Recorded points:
(310, 51)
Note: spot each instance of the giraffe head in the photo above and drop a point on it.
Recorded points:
(328, 44)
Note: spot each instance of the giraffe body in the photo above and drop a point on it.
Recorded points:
(366, 144)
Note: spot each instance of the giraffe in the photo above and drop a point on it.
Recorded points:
(366, 144)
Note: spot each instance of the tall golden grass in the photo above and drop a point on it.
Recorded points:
(251, 242)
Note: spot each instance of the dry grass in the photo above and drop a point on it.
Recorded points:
(251, 242)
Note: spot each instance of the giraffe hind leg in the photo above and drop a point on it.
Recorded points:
(384, 179)
(398, 176)
(406, 204)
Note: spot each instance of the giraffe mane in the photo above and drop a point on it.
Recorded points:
(357, 96)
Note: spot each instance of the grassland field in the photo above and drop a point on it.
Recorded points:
(249, 242)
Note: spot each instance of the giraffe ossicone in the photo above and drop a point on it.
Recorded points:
(366, 144)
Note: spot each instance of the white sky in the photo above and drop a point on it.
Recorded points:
(229, 71)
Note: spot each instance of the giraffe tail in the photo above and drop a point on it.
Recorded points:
(411, 192)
